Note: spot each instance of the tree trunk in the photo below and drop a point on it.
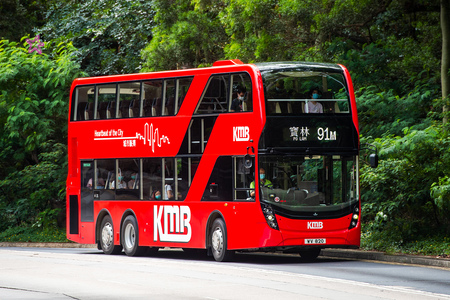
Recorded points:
(445, 62)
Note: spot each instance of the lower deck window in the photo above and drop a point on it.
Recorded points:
(136, 179)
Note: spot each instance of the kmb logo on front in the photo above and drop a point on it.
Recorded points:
(241, 134)
(315, 225)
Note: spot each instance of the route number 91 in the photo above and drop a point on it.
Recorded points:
(326, 134)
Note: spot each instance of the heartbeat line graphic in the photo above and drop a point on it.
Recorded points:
(151, 136)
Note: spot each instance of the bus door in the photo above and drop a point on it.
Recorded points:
(97, 183)
(87, 191)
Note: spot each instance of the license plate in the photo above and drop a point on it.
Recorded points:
(315, 241)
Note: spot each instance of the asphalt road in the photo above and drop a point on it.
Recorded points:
(44, 273)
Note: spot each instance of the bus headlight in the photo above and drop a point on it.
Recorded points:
(355, 218)
(269, 215)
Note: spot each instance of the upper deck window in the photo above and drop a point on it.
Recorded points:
(106, 102)
(148, 98)
(302, 90)
(129, 97)
(226, 93)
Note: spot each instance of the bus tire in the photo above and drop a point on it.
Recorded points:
(130, 237)
(310, 255)
(107, 237)
(219, 242)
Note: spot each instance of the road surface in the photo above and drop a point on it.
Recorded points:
(45, 273)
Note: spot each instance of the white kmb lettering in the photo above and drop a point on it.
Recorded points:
(176, 220)
(241, 134)
(315, 225)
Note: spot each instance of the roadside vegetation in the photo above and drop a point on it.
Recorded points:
(395, 51)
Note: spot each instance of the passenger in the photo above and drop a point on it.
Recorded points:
(168, 193)
(279, 92)
(121, 184)
(236, 105)
(157, 195)
(263, 182)
(314, 106)
(131, 183)
(100, 184)
(89, 184)
(276, 94)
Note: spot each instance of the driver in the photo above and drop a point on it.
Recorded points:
(263, 182)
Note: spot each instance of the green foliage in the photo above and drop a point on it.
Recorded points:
(19, 17)
(440, 193)
(33, 110)
(33, 234)
(391, 241)
(396, 196)
(188, 36)
(384, 113)
(36, 188)
(108, 35)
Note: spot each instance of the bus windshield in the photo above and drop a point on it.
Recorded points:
(301, 184)
(297, 88)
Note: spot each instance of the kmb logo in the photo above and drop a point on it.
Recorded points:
(315, 225)
(241, 134)
(171, 223)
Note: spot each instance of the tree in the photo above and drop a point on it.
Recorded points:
(410, 187)
(186, 35)
(19, 17)
(109, 35)
(33, 131)
(445, 61)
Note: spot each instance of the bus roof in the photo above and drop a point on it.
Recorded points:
(307, 66)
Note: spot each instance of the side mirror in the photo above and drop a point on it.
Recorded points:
(248, 163)
(373, 160)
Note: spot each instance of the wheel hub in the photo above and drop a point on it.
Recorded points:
(130, 236)
(107, 235)
(217, 240)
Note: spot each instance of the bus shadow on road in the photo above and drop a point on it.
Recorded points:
(264, 258)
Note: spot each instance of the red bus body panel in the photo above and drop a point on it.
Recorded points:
(162, 137)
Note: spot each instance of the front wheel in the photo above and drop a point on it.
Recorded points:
(130, 237)
(107, 237)
(219, 241)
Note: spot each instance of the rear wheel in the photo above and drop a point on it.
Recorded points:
(130, 237)
(107, 237)
(310, 255)
(218, 240)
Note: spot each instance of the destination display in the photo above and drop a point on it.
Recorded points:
(304, 132)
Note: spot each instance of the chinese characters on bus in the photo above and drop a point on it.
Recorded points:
(299, 134)
(150, 136)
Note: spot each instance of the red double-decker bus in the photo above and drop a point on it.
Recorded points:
(234, 157)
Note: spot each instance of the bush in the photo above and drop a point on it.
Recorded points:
(33, 129)
(407, 196)
(384, 113)
(33, 234)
